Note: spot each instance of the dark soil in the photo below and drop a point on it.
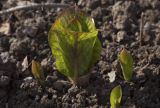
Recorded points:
(119, 21)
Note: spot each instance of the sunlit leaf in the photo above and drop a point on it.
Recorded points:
(126, 62)
(74, 43)
(115, 96)
(38, 72)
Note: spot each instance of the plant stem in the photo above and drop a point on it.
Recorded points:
(75, 59)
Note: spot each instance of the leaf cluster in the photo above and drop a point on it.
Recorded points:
(115, 96)
(74, 43)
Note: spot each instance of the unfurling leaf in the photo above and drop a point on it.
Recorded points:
(74, 43)
(38, 72)
(115, 96)
(126, 62)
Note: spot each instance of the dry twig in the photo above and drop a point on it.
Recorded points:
(33, 7)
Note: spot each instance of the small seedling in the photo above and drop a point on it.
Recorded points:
(115, 96)
(74, 43)
(38, 72)
(126, 62)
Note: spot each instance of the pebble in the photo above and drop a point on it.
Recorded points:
(51, 79)
(121, 36)
(112, 76)
(5, 57)
(44, 98)
(66, 98)
(61, 85)
(44, 62)
(73, 90)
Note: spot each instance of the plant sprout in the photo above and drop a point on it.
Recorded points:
(38, 72)
(74, 43)
(115, 96)
(126, 62)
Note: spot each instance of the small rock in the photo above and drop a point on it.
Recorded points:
(4, 81)
(5, 57)
(28, 79)
(73, 90)
(51, 79)
(121, 36)
(54, 96)
(51, 90)
(44, 62)
(112, 76)
(28, 82)
(105, 68)
(66, 98)
(61, 85)
(80, 99)
(44, 52)
(44, 98)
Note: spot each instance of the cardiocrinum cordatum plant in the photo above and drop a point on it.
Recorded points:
(38, 72)
(74, 43)
(116, 96)
(126, 62)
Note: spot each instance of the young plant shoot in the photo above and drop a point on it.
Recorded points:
(38, 72)
(126, 62)
(115, 96)
(74, 43)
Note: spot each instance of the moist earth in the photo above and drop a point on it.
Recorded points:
(23, 37)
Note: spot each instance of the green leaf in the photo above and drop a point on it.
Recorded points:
(115, 96)
(126, 62)
(74, 20)
(74, 43)
(38, 72)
